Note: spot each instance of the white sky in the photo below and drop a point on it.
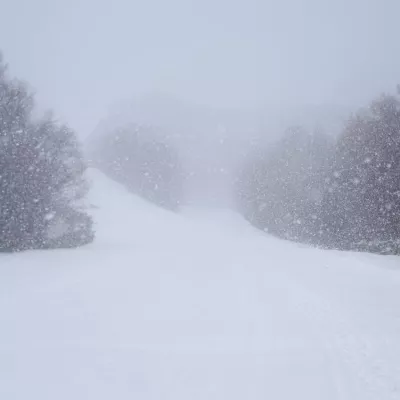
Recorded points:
(83, 55)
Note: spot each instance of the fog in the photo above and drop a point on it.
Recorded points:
(81, 56)
(215, 74)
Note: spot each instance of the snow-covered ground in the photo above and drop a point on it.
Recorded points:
(195, 306)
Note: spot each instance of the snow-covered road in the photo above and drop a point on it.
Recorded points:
(196, 306)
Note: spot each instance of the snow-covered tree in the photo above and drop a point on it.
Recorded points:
(41, 176)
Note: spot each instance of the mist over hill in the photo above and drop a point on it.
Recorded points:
(212, 142)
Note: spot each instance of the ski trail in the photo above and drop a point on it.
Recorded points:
(361, 372)
(195, 306)
(357, 365)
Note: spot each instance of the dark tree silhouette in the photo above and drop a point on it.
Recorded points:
(281, 188)
(361, 205)
(41, 176)
(344, 195)
(146, 164)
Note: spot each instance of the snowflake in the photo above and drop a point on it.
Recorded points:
(49, 216)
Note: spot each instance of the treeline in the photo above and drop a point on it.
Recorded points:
(339, 194)
(142, 160)
(42, 181)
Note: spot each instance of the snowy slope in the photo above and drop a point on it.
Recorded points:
(195, 306)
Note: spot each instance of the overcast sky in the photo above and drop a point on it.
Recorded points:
(82, 55)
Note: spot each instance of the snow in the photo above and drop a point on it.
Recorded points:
(195, 306)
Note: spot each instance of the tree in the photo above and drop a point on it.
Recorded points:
(146, 164)
(361, 205)
(281, 188)
(41, 176)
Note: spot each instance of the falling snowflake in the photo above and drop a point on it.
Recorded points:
(367, 160)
